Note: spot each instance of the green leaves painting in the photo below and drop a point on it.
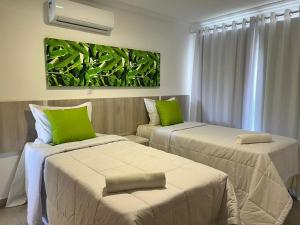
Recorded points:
(70, 63)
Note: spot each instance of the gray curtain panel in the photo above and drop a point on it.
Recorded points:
(281, 105)
(218, 76)
(249, 77)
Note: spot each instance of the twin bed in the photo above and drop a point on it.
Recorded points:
(210, 180)
(259, 172)
(66, 186)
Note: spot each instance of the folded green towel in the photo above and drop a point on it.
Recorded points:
(135, 181)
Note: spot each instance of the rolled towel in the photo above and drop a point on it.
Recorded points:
(135, 181)
(253, 138)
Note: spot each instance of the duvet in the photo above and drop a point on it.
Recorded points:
(73, 176)
(259, 172)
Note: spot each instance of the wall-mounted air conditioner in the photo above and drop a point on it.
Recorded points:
(79, 16)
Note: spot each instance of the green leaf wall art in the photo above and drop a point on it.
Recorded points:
(70, 63)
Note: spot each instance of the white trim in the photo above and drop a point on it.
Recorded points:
(266, 9)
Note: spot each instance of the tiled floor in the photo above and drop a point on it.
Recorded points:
(17, 216)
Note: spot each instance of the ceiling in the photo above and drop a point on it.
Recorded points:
(189, 11)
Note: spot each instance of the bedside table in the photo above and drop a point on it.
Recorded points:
(138, 139)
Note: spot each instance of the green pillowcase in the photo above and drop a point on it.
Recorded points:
(70, 125)
(169, 112)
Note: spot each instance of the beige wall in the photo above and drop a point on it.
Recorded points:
(22, 73)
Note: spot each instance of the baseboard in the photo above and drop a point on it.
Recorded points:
(3, 202)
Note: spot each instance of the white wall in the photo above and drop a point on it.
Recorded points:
(22, 73)
(22, 59)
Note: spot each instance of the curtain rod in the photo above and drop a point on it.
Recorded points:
(247, 22)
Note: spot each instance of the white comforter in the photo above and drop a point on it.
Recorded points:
(74, 176)
(30, 172)
(258, 171)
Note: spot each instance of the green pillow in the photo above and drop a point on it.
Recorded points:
(69, 125)
(169, 112)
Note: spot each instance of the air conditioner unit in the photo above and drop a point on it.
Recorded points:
(79, 16)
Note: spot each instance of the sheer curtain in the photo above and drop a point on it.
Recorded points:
(195, 109)
(218, 76)
(254, 76)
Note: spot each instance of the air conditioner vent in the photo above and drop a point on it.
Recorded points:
(78, 16)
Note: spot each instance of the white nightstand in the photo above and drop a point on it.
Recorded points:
(138, 139)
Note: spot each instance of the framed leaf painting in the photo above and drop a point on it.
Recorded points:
(70, 63)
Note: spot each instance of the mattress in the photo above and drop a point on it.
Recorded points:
(73, 175)
(145, 130)
(259, 172)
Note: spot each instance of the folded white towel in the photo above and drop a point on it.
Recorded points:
(253, 138)
(135, 181)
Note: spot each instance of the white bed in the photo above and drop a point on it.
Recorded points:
(259, 172)
(146, 130)
(74, 179)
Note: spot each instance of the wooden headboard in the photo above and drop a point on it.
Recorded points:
(110, 116)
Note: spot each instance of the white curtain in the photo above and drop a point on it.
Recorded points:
(195, 109)
(281, 105)
(254, 76)
(250, 77)
(218, 76)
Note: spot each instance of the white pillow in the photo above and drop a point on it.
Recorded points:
(42, 125)
(152, 111)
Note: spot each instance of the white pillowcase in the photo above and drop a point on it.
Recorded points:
(152, 111)
(42, 125)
